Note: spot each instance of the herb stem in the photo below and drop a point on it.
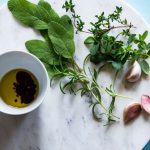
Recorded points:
(114, 80)
(109, 114)
(122, 26)
(125, 97)
(76, 65)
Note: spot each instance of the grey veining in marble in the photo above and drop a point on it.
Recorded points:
(64, 122)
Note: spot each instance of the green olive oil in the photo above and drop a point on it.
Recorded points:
(19, 88)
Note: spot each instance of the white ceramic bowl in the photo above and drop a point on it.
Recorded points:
(23, 60)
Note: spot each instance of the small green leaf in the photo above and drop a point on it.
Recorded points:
(132, 38)
(145, 67)
(89, 40)
(96, 117)
(95, 74)
(94, 49)
(92, 45)
(125, 21)
(43, 51)
(144, 35)
(140, 37)
(148, 46)
(117, 65)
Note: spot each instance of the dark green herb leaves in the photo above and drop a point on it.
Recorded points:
(108, 49)
(145, 67)
(43, 51)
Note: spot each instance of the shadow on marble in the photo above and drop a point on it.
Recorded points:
(131, 121)
(108, 127)
(145, 116)
(145, 77)
(20, 132)
(130, 85)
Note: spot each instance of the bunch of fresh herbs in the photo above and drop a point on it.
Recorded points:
(57, 49)
(105, 48)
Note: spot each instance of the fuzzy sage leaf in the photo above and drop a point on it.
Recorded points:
(52, 14)
(44, 52)
(29, 14)
(61, 39)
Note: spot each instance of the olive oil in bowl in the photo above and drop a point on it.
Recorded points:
(19, 88)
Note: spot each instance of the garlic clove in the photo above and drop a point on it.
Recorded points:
(145, 102)
(134, 72)
(131, 111)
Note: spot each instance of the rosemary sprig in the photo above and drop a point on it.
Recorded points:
(77, 79)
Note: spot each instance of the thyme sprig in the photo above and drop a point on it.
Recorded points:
(78, 23)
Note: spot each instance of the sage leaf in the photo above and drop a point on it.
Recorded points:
(43, 51)
(30, 14)
(51, 70)
(61, 39)
(66, 22)
(53, 15)
(44, 34)
(145, 67)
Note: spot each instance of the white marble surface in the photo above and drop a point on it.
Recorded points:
(64, 122)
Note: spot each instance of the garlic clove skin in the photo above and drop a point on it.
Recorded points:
(134, 72)
(145, 102)
(131, 112)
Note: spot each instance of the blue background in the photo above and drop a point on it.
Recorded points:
(2, 1)
(142, 6)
